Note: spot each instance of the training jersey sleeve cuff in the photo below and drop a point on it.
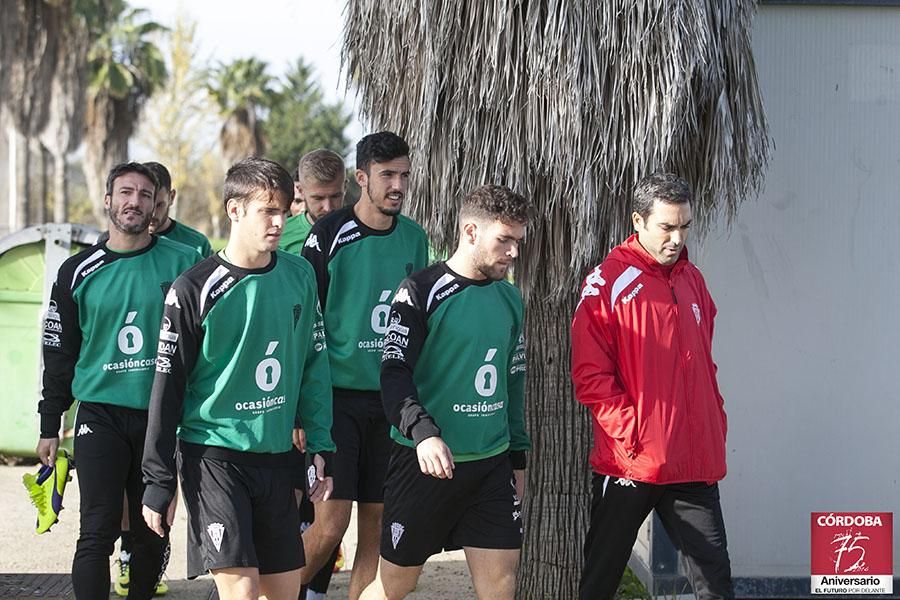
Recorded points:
(157, 498)
(519, 459)
(50, 425)
(423, 430)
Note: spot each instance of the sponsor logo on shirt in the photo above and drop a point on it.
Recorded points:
(130, 339)
(165, 334)
(267, 377)
(486, 376)
(52, 311)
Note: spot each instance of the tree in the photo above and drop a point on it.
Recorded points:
(29, 48)
(301, 120)
(176, 124)
(126, 68)
(240, 89)
(68, 87)
(569, 103)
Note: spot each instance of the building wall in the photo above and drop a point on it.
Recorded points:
(807, 282)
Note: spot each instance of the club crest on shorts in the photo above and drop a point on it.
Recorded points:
(396, 533)
(216, 532)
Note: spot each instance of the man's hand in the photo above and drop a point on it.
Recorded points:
(519, 476)
(299, 439)
(435, 458)
(321, 488)
(154, 519)
(46, 450)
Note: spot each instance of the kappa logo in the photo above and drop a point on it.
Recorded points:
(84, 430)
(402, 296)
(396, 533)
(696, 310)
(312, 242)
(172, 299)
(216, 533)
(625, 482)
(592, 284)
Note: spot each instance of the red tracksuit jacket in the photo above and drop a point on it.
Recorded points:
(642, 363)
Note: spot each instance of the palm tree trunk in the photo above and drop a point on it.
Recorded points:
(43, 192)
(60, 188)
(557, 500)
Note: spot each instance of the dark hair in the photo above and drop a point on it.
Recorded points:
(495, 203)
(162, 175)
(379, 147)
(130, 167)
(665, 187)
(248, 177)
(321, 165)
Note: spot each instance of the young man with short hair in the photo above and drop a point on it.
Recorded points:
(164, 225)
(642, 364)
(320, 186)
(453, 385)
(242, 357)
(100, 348)
(360, 254)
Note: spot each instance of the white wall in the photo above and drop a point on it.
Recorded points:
(807, 284)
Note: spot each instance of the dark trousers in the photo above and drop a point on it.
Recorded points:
(692, 516)
(109, 445)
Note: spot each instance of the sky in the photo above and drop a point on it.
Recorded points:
(276, 31)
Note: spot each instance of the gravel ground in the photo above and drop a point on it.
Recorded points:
(22, 551)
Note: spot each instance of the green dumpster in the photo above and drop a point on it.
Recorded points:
(29, 260)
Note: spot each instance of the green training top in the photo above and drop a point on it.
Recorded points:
(357, 270)
(242, 358)
(101, 326)
(296, 229)
(454, 365)
(188, 236)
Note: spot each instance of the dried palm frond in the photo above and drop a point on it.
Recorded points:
(568, 102)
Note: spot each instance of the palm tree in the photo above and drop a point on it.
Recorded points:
(68, 88)
(29, 48)
(126, 67)
(569, 103)
(240, 89)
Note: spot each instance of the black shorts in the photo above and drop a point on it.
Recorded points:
(424, 515)
(240, 516)
(362, 435)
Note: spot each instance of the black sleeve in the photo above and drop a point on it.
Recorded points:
(403, 343)
(180, 339)
(315, 250)
(61, 346)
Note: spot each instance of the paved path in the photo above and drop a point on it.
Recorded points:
(23, 552)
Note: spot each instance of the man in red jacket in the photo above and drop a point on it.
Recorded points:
(642, 363)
